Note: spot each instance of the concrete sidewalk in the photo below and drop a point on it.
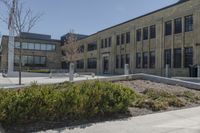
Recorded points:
(12, 82)
(181, 121)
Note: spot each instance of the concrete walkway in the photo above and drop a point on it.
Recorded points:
(181, 121)
(12, 82)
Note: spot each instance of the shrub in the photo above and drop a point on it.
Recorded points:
(66, 101)
(157, 100)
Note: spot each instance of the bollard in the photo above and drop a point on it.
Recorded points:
(126, 69)
(167, 71)
(50, 74)
(71, 72)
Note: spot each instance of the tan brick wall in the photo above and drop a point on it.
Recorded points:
(182, 40)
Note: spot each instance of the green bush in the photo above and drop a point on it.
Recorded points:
(66, 101)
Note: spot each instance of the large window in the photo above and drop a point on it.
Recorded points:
(128, 37)
(152, 31)
(145, 33)
(122, 61)
(106, 43)
(138, 60)
(127, 58)
(31, 46)
(177, 25)
(80, 64)
(102, 43)
(31, 61)
(92, 46)
(167, 60)
(145, 60)
(152, 59)
(92, 63)
(188, 53)
(139, 35)
(81, 49)
(168, 28)
(109, 41)
(122, 39)
(118, 39)
(188, 23)
(177, 58)
(24, 45)
(36, 46)
(117, 61)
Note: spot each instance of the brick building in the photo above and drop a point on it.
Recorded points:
(170, 35)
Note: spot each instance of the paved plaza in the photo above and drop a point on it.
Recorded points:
(12, 82)
(181, 121)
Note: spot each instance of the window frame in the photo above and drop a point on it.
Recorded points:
(178, 25)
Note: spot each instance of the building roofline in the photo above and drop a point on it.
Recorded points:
(55, 40)
(177, 3)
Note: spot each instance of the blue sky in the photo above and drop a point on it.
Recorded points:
(86, 16)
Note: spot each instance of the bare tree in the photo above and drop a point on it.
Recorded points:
(21, 19)
(72, 47)
(72, 52)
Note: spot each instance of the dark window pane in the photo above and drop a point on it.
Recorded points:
(188, 23)
(167, 60)
(117, 61)
(145, 60)
(109, 42)
(122, 61)
(80, 64)
(92, 46)
(106, 43)
(139, 35)
(118, 40)
(177, 25)
(188, 53)
(128, 37)
(127, 59)
(177, 58)
(122, 38)
(92, 63)
(102, 43)
(81, 49)
(138, 60)
(168, 28)
(153, 31)
(145, 33)
(152, 59)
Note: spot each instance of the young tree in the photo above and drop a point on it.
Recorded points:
(72, 48)
(72, 52)
(21, 20)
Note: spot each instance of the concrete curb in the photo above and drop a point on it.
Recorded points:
(153, 78)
